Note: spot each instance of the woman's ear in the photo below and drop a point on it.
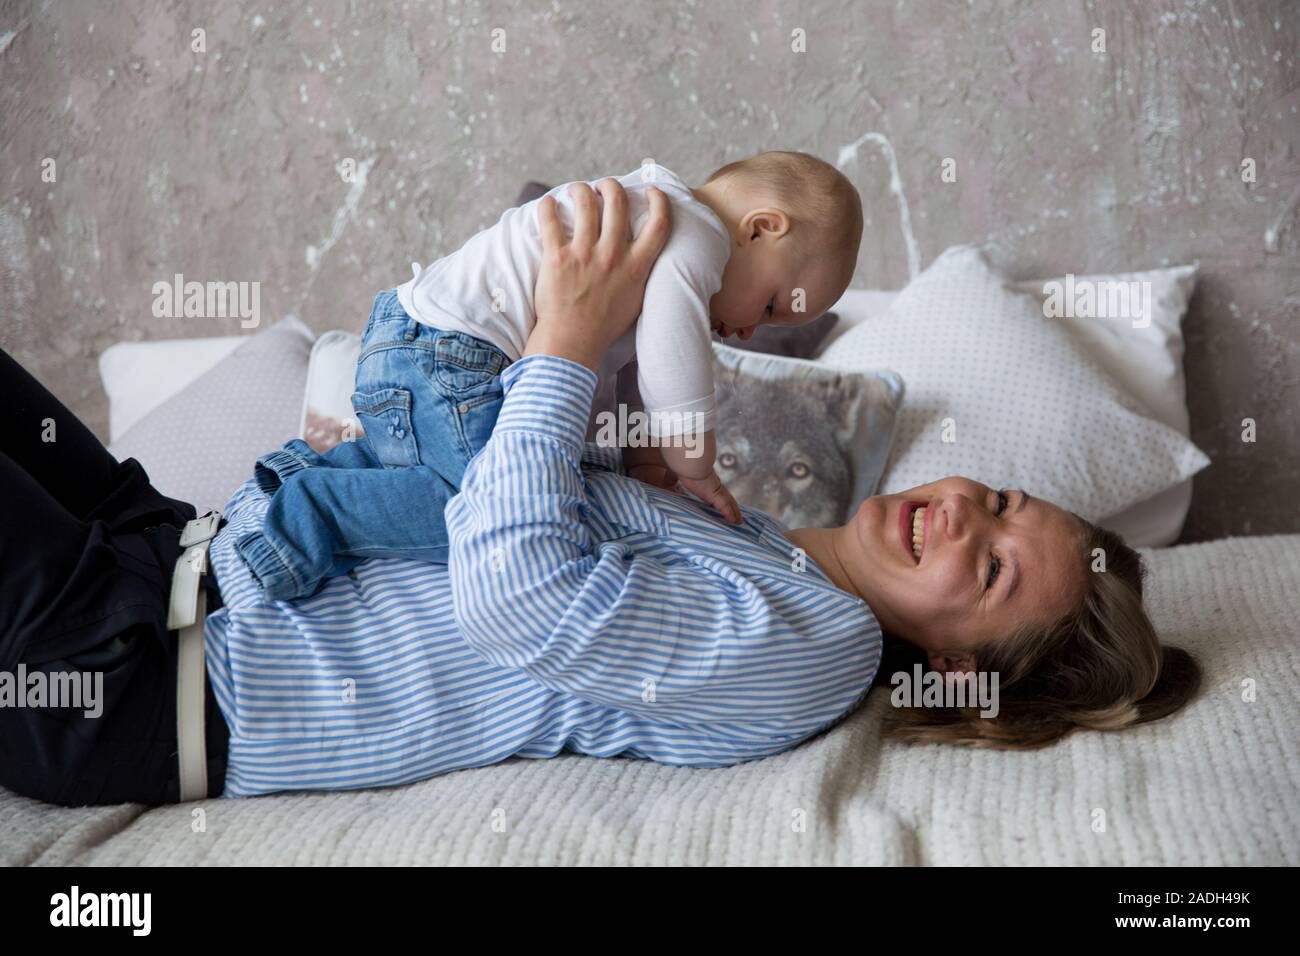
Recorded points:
(951, 663)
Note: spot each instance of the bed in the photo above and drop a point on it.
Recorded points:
(1216, 784)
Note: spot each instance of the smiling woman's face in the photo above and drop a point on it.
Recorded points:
(988, 562)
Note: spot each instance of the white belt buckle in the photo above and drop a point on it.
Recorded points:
(186, 613)
(182, 609)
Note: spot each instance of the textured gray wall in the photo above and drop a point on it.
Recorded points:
(223, 165)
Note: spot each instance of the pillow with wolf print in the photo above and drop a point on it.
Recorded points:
(799, 440)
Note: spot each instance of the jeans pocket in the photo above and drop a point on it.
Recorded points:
(464, 366)
(385, 415)
(477, 416)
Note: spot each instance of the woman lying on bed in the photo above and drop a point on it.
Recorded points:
(582, 611)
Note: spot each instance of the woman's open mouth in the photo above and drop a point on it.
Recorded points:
(913, 523)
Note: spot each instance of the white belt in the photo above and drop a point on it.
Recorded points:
(186, 613)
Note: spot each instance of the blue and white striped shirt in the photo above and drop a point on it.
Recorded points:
(581, 611)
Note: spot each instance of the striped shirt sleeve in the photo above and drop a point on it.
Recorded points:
(610, 623)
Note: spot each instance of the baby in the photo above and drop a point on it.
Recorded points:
(769, 240)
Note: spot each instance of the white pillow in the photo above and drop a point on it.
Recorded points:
(327, 399)
(1029, 406)
(200, 444)
(140, 376)
(1147, 363)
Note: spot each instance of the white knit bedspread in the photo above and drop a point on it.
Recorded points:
(1218, 783)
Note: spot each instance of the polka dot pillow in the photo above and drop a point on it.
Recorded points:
(998, 392)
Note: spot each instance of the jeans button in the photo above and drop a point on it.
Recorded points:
(462, 408)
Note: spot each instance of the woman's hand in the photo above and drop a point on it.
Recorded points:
(591, 285)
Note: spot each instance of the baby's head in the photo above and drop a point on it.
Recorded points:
(795, 224)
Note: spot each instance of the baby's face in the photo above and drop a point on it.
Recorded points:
(761, 286)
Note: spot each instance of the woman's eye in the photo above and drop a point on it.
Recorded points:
(800, 470)
(994, 564)
(727, 460)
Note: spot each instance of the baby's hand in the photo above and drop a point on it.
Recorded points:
(714, 493)
(658, 475)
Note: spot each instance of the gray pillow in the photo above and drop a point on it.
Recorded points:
(800, 440)
(531, 191)
(200, 444)
(802, 341)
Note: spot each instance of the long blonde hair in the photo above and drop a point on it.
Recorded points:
(1100, 668)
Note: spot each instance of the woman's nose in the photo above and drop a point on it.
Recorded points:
(958, 512)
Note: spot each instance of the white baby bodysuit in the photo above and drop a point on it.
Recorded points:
(664, 363)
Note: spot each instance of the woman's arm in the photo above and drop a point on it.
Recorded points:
(533, 590)
(675, 642)
(591, 285)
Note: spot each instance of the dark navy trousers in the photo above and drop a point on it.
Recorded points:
(87, 549)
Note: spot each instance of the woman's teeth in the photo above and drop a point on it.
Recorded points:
(918, 531)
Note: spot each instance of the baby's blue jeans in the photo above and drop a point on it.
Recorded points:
(427, 401)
